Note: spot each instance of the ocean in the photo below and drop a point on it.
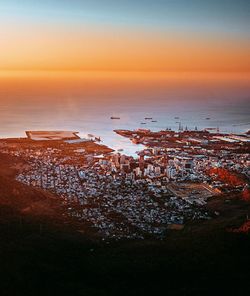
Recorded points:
(85, 104)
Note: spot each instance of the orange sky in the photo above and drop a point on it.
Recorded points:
(93, 49)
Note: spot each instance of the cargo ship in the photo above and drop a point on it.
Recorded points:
(114, 117)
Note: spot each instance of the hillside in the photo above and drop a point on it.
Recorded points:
(42, 251)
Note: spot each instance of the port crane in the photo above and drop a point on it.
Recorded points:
(180, 126)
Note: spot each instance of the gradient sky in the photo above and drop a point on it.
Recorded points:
(141, 35)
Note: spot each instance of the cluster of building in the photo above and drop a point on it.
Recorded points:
(99, 191)
(188, 156)
(125, 197)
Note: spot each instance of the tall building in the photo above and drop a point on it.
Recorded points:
(141, 162)
(122, 159)
(150, 168)
(171, 172)
(138, 172)
(116, 159)
(158, 170)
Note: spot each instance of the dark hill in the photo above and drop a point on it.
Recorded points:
(42, 253)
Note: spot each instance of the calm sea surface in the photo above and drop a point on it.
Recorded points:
(86, 105)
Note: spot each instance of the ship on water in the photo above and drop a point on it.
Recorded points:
(148, 118)
(114, 117)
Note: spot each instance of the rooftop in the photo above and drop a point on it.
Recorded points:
(51, 135)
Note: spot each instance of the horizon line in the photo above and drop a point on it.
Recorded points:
(122, 71)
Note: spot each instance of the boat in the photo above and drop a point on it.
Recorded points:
(153, 120)
(114, 117)
(143, 122)
(119, 150)
(177, 117)
(208, 118)
(148, 118)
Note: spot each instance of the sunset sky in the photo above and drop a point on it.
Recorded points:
(109, 35)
